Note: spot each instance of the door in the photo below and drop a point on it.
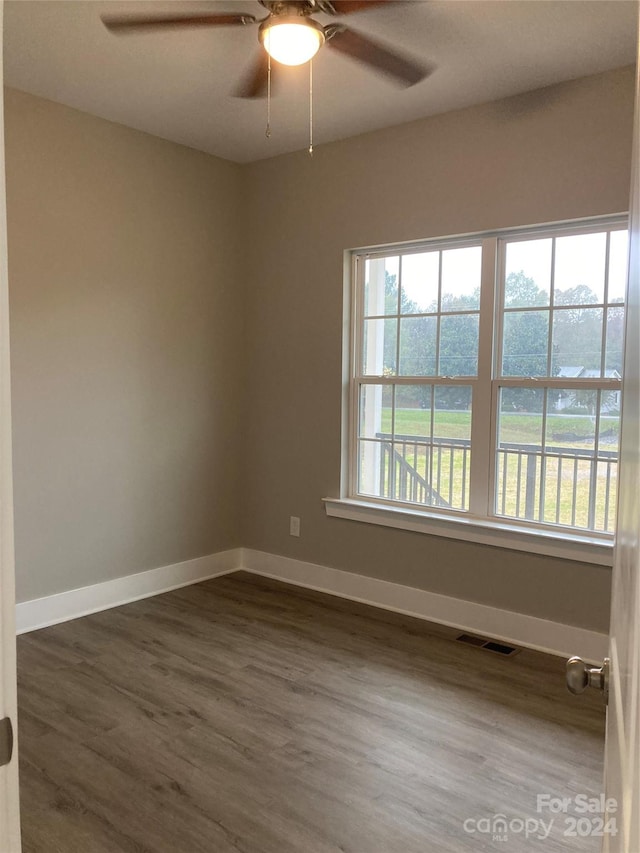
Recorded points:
(9, 802)
(622, 753)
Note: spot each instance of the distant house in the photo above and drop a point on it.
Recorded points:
(568, 398)
(571, 372)
(611, 373)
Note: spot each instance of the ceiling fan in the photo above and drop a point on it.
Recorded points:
(292, 37)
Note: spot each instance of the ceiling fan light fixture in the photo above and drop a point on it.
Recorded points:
(291, 39)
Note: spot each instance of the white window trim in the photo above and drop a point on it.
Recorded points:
(561, 542)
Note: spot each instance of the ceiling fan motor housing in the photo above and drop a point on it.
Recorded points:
(291, 7)
(277, 20)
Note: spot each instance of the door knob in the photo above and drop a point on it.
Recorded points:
(580, 676)
(6, 741)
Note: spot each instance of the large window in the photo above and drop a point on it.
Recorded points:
(486, 377)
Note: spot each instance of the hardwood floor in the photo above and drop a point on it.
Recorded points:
(245, 715)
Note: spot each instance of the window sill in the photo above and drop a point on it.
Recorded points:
(568, 546)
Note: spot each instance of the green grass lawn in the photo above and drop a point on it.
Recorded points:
(515, 427)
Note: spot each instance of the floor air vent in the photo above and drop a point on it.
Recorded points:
(490, 645)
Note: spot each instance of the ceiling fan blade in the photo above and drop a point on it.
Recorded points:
(255, 82)
(346, 7)
(380, 58)
(130, 24)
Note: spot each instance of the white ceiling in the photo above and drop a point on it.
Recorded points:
(179, 84)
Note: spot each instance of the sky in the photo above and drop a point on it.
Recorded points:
(580, 259)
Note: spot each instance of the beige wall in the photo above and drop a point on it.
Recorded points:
(176, 394)
(126, 316)
(560, 154)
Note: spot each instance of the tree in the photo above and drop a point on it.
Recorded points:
(417, 335)
(525, 342)
(525, 339)
(520, 291)
(526, 333)
(577, 329)
(615, 338)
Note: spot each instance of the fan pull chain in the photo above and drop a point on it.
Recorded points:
(267, 132)
(311, 107)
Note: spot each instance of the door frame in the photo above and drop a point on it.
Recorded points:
(9, 785)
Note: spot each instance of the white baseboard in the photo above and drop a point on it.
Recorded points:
(516, 628)
(41, 612)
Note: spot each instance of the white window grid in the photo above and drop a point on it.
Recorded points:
(487, 384)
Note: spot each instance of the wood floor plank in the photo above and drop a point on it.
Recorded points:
(241, 714)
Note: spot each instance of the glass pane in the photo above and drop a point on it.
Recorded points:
(563, 480)
(615, 340)
(420, 275)
(381, 286)
(450, 467)
(609, 432)
(519, 452)
(577, 343)
(579, 271)
(435, 474)
(459, 345)
(411, 474)
(452, 415)
(461, 276)
(525, 342)
(374, 468)
(574, 473)
(375, 410)
(521, 416)
(604, 513)
(606, 495)
(528, 273)
(618, 247)
(413, 410)
(379, 347)
(418, 346)
(418, 467)
(571, 419)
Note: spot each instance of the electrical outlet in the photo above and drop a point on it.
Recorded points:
(294, 525)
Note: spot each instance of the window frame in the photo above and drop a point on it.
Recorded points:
(480, 522)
